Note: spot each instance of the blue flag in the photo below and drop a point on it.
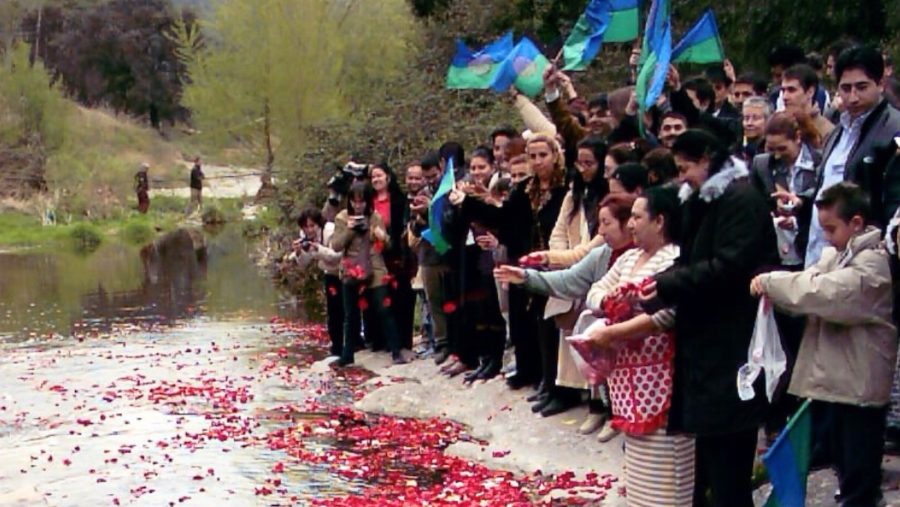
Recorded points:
(476, 69)
(655, 57)
(439, 202)
(787, 461)
(602, 21)
(524, 68)
(584, 42)
(701, 44)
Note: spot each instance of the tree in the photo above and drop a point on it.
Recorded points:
(111, 53)
(268, 70)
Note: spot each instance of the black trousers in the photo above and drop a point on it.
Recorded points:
(525, 313)
(855, 437)
(403, 306)
(381, 320)
(724, 466)
(485, 327)
(334, 305)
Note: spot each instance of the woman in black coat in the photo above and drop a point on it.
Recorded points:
(392, 204)
(523, 224)
(727, 239)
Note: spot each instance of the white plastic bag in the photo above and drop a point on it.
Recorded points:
(594, 363)
(765, 354)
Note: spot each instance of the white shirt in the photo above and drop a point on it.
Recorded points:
(832, 174)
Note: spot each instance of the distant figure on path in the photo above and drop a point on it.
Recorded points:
(142, 188)
(196, 186)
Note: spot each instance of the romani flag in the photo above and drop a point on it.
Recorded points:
(476, 69)
(787, 461)
(602, 21)
(523, 67)
(440, 201)
(701, 44)
(655, 56)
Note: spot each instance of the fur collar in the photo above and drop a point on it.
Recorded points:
(715, 186)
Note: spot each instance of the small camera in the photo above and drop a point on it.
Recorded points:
(305, 244)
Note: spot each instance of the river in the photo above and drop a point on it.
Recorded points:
(132, 378)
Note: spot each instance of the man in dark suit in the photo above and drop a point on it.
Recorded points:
(861, 146)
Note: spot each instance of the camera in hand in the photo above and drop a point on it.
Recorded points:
(359, 223)
(305, 244)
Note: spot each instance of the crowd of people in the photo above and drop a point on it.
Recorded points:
(738, 189)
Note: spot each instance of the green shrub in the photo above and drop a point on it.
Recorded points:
(212, 215)
(85, 237)
(138, 232)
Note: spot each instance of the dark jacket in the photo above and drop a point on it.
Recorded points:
(727, 239)
(515, 221)
(766, 171)
(399, 257)
(868, 160)
(727, 130)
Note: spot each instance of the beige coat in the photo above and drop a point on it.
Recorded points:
(849, 347)
(350, 243)
(570, 239)
(568, 243)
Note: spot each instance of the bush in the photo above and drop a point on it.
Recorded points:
(138, 232)
(85, 237)
(212, 215)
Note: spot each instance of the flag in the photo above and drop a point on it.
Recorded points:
(524, 67)
(434, 233)
(655, 56)
(787, 461)
(475, 70)
(584, 42)
(623, 21)
(701, 44)
(602, 21)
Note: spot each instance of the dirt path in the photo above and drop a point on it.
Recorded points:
(221, 182)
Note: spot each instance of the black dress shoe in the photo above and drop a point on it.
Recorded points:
(489, 370)
(441, 355)
(344, 362)
(518, 381)
(541, 393)
(473, 375)
(541, 404)
(556, 406)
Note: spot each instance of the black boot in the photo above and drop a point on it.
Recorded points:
(540, 394)
(490, 369)
(557, 405)
(473, 375)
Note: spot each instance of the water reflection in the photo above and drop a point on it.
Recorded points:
(59, 292)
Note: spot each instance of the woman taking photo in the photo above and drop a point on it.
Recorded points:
(659, 467)
(360, 235)
(727, 237)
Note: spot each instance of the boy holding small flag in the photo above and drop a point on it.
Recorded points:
(849, 348)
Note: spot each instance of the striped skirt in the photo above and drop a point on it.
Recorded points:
(659, 470)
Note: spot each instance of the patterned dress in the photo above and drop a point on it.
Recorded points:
(659, 468)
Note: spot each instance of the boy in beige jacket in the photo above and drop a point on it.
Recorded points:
(849, 348)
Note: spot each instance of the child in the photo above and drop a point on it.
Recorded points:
(849, 348)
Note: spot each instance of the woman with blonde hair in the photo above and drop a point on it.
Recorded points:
(524, 223)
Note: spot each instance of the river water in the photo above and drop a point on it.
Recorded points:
(147, 378)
